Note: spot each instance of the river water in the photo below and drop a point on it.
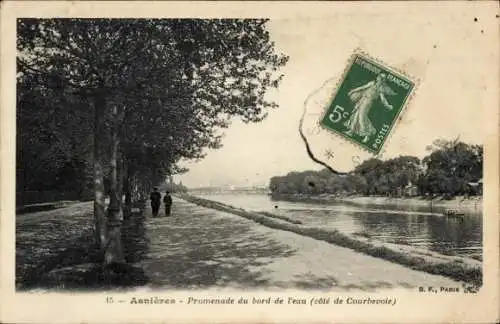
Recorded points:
(418, 226)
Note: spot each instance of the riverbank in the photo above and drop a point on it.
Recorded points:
(459, 202)
(458, 268)
(198, 248)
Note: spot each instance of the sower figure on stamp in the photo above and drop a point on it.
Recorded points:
(363, 97)
(167, 200)
(155, 201)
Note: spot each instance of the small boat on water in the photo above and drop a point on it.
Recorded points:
(453, 212)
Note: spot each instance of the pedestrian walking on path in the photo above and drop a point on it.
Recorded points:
(167, 200)
(155, 201)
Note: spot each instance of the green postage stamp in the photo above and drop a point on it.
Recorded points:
(367, 103)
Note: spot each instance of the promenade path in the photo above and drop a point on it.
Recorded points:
(198, 247)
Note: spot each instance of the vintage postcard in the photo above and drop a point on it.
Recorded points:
(249, 162)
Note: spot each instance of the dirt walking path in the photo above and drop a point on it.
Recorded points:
(198, 247)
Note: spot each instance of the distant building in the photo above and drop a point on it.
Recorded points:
(476, 188)
(410, 190)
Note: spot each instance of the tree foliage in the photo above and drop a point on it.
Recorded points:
(449, 169)
(177, 83)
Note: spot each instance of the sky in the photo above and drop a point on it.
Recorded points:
(447, 51)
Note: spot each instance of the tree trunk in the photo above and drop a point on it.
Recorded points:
(99, 202)
(127, 184)
(137, 188)
(133, 188)
(145, 185)
(121, 174)
(114, 248)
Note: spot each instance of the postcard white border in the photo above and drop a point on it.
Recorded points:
(91, 307)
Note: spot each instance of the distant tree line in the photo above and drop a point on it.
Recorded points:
(173, 187)
(451, 168)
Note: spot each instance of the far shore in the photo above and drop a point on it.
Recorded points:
(458, 202)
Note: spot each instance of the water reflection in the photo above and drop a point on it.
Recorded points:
(420, 226)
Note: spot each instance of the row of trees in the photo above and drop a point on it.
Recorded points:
(449, 169)
(172, 187)
(122, 101)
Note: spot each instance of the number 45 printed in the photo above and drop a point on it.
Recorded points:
(367, 103)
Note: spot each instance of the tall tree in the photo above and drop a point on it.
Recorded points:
(451, 166)
(163, 88)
